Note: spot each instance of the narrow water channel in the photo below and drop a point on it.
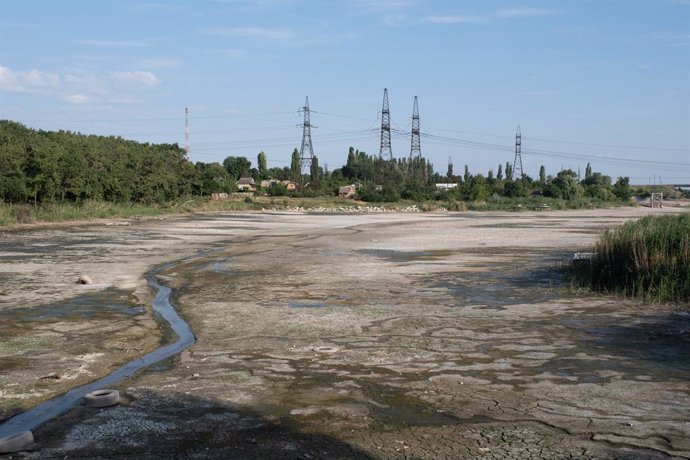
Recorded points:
(50, 409)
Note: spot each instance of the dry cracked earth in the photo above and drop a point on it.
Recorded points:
(343, 336)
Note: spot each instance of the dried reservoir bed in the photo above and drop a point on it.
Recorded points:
(343, 336)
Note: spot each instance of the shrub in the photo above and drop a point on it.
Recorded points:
(648, 258)
(25, 214)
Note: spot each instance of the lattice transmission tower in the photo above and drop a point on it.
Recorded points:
(517, 162)
(386, 149)
(415, 144)
(306, 153)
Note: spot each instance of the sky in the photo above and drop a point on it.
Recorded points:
(605, 82)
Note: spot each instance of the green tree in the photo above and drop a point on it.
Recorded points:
(566, 185)
(314, 172)
(542, 175)
(295, 167)
(621, 188)
(213, 177)
(477, 189)
(509, 172)
(262, 164)
(237, 167)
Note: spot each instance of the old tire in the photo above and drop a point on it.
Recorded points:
(102, 398)
(16, 442)
(84, 279)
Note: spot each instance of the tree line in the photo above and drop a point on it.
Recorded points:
(47, 166)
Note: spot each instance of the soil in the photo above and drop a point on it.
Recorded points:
(343, 336)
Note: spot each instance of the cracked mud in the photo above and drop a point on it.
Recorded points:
(340, 336)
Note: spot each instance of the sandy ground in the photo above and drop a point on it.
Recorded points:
(344, 336)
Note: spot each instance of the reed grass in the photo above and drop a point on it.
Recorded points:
(647, 258)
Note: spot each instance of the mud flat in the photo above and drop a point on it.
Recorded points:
(344, 336)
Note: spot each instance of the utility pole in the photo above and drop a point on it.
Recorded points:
(186, 130)
(517, 162)
(306, 153)
(386, 150)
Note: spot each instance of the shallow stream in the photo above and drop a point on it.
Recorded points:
(50, 409)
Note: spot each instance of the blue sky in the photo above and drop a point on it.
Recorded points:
(599, 81)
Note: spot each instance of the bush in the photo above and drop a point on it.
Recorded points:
(648, 258)
(25, 215)
(453, 205)
(276, 189)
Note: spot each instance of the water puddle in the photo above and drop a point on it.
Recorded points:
(306, 304)
(102, 304)
(406, 256)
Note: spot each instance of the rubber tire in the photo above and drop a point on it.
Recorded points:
(16, 442)
(102, 398)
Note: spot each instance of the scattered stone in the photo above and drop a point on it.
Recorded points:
(326, 349)
(583, 256)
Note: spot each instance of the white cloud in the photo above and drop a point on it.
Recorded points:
(158, 63)
(283, 36)
(138, 77)
(76, 87)
(119, 43)
(394, 20)
(83, 79)
(506, 13)
(76, 98)
(254, 32)
(33, 81)
(524, 12)
(453, 19)
(383, 4)
(232, 53)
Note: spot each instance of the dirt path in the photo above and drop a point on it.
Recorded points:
(387, 336)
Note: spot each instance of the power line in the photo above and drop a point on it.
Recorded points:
(136, 120)
(591, 144)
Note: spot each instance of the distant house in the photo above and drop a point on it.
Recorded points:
(266, 183)
(446, 186)
(347, 191)
(289, 185)
(246, 184)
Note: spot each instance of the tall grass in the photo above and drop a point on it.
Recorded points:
(648, 258)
